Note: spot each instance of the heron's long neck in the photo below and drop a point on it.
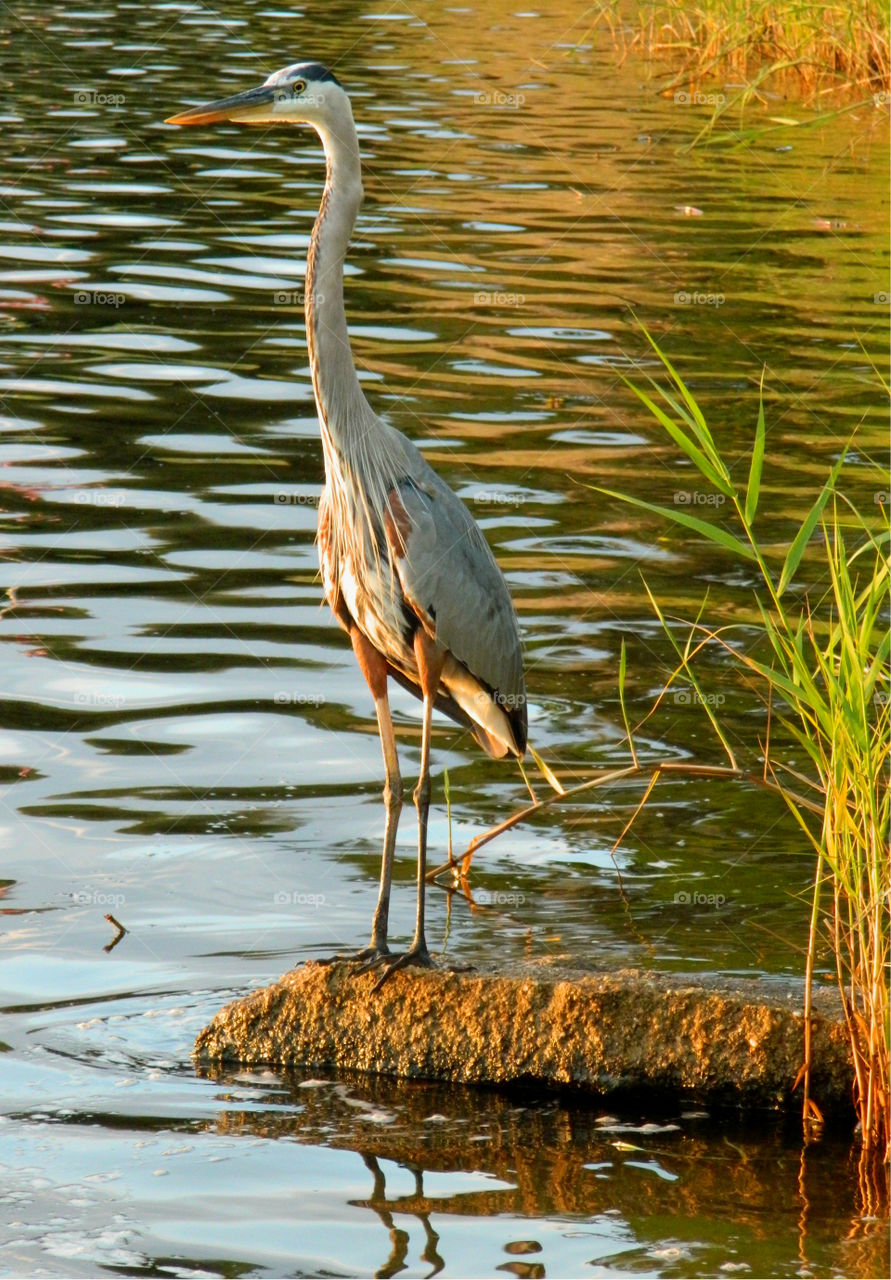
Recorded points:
(343, 410)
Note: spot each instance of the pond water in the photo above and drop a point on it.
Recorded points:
(187, 742)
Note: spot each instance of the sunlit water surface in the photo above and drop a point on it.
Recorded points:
(188, 744)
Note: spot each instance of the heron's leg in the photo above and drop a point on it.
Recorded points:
(393, 802)
(374, 669)
(430, 659)
(422, 803)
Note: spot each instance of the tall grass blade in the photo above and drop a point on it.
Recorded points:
(713, 532)
(698, 422)
(684, 656)
(804, 534)
(695, 454)
(623, 661)
(546, 772)
(753, 488)
(448, 799)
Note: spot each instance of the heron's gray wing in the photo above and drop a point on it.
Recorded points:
(449, 577)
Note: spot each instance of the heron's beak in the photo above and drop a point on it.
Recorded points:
(241, 108)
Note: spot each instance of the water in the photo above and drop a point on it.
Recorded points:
(187, 742)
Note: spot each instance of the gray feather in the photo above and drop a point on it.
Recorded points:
(449, 570)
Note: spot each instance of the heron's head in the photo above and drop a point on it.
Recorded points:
(305, 93)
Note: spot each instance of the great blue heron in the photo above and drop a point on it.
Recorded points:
(406, 569)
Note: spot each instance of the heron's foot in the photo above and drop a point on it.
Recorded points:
(367, 956)
(416, 955)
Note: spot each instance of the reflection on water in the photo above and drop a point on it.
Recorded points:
(308, 1176)
(187, 743)
(435, 1152)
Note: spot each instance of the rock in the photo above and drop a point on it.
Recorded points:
(724, 1041)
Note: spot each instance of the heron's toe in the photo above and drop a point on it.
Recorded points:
(367, 957)
(417, 956)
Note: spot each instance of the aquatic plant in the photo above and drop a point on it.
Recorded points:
(825, 679)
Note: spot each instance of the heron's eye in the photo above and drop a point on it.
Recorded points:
(298, 86)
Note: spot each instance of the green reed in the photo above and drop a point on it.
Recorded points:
(824, 675)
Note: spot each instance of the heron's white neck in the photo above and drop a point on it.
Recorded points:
(344, 412)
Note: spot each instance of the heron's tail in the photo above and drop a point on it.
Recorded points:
(498, 720)
(499, 735)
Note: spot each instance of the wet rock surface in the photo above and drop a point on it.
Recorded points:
(729, 1041)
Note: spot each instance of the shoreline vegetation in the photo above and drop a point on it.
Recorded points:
(747, 59)
(790, 46)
